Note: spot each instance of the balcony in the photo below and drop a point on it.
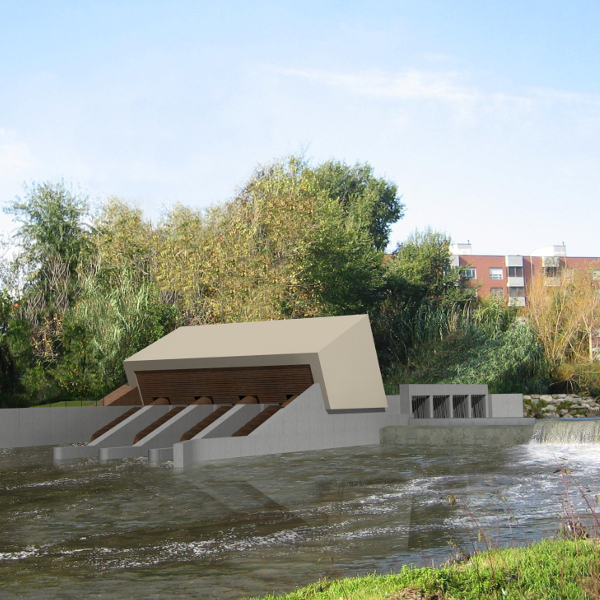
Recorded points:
(517, 301)
(515, 282)
(551, 261)
(514, 261)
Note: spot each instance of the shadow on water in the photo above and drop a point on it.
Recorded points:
(252, 526)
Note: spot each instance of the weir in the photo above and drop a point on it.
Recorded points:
(567, 431)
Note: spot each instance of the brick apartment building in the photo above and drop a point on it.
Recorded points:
(508, 276)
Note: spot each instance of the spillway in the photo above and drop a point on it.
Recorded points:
(567, 431)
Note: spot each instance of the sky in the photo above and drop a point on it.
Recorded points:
(485, 114)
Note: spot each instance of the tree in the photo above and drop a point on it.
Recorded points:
(54, 240)
(373, 201)
(53, 236)
(288, 248)
(122, 241)
(423, 293)
(422, 269)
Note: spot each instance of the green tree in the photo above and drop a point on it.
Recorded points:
(54, 239)
(287, 247)
(423, 295)
(109, 324)
(373, 201)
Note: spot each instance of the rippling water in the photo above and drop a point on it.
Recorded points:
(242, 527)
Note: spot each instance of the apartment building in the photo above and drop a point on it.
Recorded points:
(508, 276)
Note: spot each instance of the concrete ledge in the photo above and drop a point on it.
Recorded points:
(121, 452)
(157, 454)
(470, 422)
(457, 435)
(69, 452)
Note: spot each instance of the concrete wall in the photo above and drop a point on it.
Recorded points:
(506, 406)
(409, 390)
(503, 432)
(44, 426)
(303, 425)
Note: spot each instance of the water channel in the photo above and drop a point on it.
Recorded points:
(243, 527)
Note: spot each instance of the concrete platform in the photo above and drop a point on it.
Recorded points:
(503, 432)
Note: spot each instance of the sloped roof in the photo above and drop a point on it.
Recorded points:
(340, 350)
(258, 338)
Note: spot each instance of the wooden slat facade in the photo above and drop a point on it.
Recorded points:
(226, 385)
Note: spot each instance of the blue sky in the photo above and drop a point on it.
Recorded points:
(485, 114)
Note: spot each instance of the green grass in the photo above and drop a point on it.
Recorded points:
(69, 403)
(550, 569)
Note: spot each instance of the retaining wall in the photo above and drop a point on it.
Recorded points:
(503, 432)
(43, 426)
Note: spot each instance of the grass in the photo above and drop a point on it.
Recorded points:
(69, 403)
(567, 568)
(550, 569)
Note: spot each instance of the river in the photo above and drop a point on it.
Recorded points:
(235, 528)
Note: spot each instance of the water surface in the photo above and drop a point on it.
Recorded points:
(235, 528)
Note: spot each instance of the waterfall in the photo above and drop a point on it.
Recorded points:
(567, 431)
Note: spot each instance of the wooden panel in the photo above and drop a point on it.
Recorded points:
(126, 395)
(225, 386)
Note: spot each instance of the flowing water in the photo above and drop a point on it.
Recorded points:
(235, 528)
(567, 431)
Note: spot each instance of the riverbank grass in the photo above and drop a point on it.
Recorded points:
(550, 569)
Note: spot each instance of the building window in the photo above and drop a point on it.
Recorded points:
(596, 275)
(516, 292)
(497, 292)
(515, 271)
(550, 271)
(470, 274)
(496, 273)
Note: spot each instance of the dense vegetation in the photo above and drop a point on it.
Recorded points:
(81, 290)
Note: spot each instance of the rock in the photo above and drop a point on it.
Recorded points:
(546, 398)
(562, 412)
(526, 397)
(549, 409)
(536, 396)
(534, 401)
(568, 416)
(561, 395)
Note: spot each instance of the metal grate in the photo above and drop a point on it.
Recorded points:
(460, 407)
(478, 406)
(441, 407)
(420, 408)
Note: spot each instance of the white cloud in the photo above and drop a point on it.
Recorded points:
(449, 87)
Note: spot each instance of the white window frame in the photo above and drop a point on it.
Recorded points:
(496, 273)
(497, 292)
(470, 273)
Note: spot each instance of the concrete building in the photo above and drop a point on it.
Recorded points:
(507, 276)
(245, 389)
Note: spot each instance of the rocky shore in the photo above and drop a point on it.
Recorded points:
(564, 406)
